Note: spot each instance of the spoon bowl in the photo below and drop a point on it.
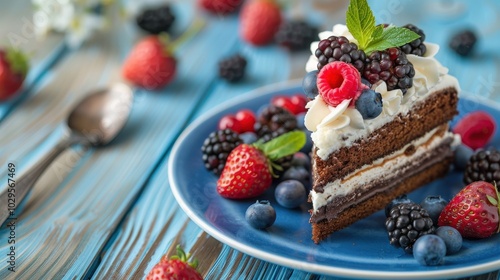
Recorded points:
(95, 120)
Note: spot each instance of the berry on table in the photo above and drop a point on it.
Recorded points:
(398, 200)
(429, 250)
(434, 205)
(463, 42)
(484, 165)
(390, 66)
(259, 21)
(155, 20)
(13, 70)
(476, 129)
(232, 68)
(296, 34)
(338, 81)
(451, 238)
(406, 223)
(369, 104)
(290, 193)
(175, 267)
(417, 46)
(261, 214)
(461, 157)
(474, 211)
(309, 84)
(217, 147)
(220, 6)
(339, 49)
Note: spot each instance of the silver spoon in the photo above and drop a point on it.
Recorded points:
(95, 121)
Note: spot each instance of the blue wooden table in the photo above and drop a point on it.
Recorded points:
(108, 213)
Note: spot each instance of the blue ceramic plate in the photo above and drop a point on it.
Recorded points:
(360, 251)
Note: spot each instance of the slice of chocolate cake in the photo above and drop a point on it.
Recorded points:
(366, 155)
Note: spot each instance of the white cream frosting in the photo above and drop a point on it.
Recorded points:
(381, 168)
(340, 126)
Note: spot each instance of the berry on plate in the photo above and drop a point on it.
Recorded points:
(274, 121)
(474, 211)
(249, 168)
(484, 165)
(451, 238)
(429, 250)
(259, 21)
(476, 129)
(261, 214)
(13, 69)
(155, 20)
(295, 104)
(290, 193)
(216, 149)
(434, 205)
(150, 64)
(243, 121)
(461, 157)
(338, 81)
(369, 104)
(220, 6)
(398, 200)
(177, 267)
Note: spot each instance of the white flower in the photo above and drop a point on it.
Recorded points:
(82, 28)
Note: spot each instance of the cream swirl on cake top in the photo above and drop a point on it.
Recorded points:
(340, 126)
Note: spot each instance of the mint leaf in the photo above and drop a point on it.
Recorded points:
(360, 22)
(284, 145)
(391, 37)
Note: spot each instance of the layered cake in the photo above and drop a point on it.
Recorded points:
(363, 158)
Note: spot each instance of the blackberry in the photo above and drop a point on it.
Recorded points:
(406, 223)
(217, 147)
(484, 165)
(463, 42)
(339, 49)
(232, 68)
(416, 46)
(296, 35)
(392, 67)
(156, 20)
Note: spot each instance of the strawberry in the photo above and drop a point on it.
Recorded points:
(220, 6)
(150, 64)
(177, 267)
(474, 211)
(249, 168)
(259, 21)
(13, 69)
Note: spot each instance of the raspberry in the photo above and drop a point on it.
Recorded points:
(339, 49)
(463, 42)
(296, 35)
(416, 46)
(156, 20)
(217, 147)
(406, 223)
(232, 68)
(338, 81)
(484, 165)
(390, 66)
(476, 129)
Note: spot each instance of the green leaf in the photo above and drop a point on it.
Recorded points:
(360, 22)
(283, 145)
(492, 200)
(391, 37)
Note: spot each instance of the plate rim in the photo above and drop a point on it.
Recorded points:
(292, 263)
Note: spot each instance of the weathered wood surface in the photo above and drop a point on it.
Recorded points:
(108, 213)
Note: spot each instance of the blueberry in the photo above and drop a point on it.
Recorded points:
(301, 159)
(307, 148)
(290, 193)
(300, 121)
(434, 205)
(248, 137)
(309, 84)
(298, 173)
(366, 82)
(462, 156)
(398, 200)
(429, 250)
(451, 237)
(261, 214)
(369, 104)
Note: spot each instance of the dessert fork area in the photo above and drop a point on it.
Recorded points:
(111, 212)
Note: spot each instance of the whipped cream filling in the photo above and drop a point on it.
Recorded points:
(340, 126)
(382, 167)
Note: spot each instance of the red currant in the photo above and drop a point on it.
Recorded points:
(246, 119)
(229, 121)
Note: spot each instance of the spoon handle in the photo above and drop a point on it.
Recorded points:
(27, 180)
